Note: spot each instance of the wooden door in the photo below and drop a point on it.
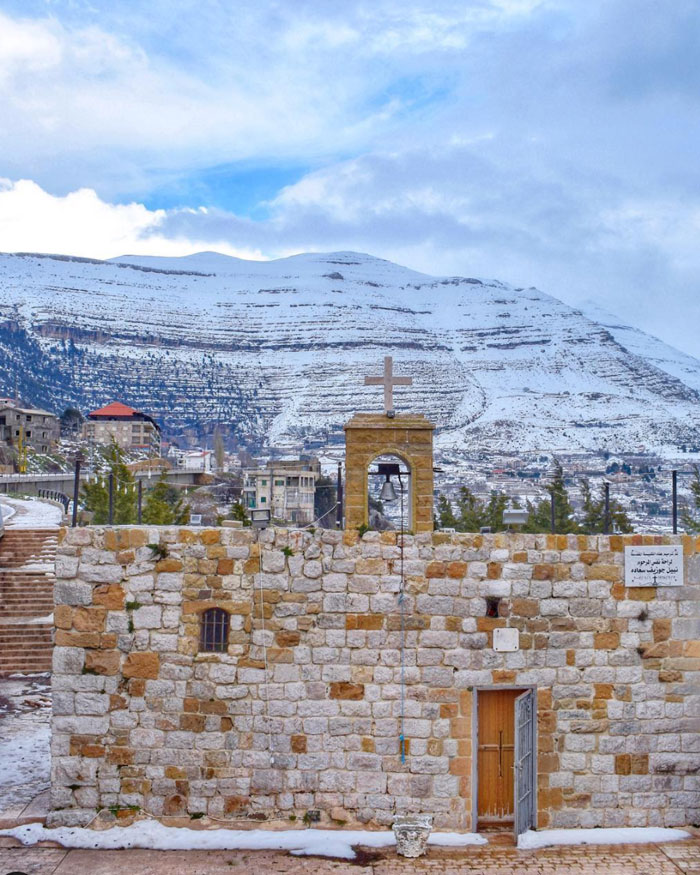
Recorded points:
(496, 741)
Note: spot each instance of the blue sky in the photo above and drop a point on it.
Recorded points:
(543, 142)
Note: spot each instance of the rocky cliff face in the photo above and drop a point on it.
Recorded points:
(277, 351)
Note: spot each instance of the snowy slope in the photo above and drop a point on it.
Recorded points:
(277, 350)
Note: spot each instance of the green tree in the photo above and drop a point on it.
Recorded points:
(446, 518)
(238, 512)
(165, 506)
(472, 513)
(689, 518)
(540, 513)
(96, 494)
(593, 521)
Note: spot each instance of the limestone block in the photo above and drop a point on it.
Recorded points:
(139, 583)
(171, 581)
(147, 617)
(101, 573)
(79, 537)
(66, 566)
(141, 665)
(68, 660)
(72, 592)
(151, 738)
(81, 725)
(686, 628)
(91, 703)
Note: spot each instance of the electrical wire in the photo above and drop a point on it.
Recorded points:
(402, 600)
(264, 646)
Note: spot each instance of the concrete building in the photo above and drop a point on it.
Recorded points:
(131, 429)
(30, 426)
(286, 487)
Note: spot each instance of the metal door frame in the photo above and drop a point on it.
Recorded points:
(487, 688)
(530, 698)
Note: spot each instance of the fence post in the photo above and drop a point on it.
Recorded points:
(140, 501)
(111, 499)
(674, 490)
(606, 521)
(76, 491)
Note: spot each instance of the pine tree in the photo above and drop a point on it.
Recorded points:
(446, 518)
(689, 519)
(540, 514)
(593, 522)
(165, 506)
(96, 494)
(238, 512)
(473, 513)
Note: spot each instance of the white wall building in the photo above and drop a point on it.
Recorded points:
(286, 487)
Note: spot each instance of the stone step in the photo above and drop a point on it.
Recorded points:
(19, 609)
(25, 594)
(38, 632)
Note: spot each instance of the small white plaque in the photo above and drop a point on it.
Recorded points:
(506, 640)
(658, 565)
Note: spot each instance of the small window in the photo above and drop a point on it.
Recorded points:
(263, 500)
(213, 636)
(492, 604)
(279, 482)
(264, 482)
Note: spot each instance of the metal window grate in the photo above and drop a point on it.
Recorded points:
(213, 637)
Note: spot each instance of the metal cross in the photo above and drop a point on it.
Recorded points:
(388, 380)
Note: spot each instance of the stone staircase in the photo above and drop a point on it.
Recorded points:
(27, 559)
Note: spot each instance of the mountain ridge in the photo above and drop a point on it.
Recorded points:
(276, 351)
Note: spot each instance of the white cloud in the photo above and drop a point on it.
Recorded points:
(27, 46)
(31, 220)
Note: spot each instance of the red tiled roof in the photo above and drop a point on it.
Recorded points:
(116, 408)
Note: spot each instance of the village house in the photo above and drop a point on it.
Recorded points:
(28, 426)
(130, 428)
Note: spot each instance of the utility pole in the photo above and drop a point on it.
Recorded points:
(339, 498)
(76, 490)
(674, 490)
(606, 521)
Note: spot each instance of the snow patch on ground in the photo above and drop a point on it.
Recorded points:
(21, 513)
(25, 736)
(624, 835)
(23, 621)
(153, 835)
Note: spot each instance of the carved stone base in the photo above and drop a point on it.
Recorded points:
(412, 832)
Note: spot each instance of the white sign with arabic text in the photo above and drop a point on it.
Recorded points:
(658, 565)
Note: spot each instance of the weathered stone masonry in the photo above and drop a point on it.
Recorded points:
(142, 719)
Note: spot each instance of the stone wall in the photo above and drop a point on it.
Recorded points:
(142, 720)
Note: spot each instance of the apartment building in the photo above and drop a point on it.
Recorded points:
(131, 429)
(286, 487)
(28, 426)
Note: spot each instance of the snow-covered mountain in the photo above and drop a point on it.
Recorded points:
(277, 352)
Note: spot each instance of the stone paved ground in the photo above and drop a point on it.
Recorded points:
(668, 859)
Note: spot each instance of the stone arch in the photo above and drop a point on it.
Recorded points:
(393, 457)
(409, 437)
